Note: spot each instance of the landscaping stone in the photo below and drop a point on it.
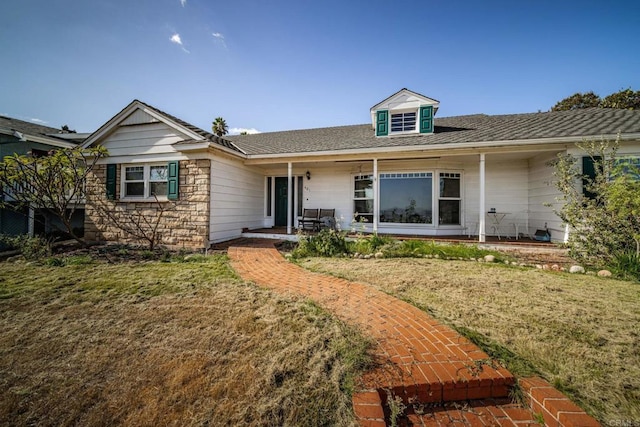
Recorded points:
(576, 269)
(604, 273)
(379, 255)
(489, 258)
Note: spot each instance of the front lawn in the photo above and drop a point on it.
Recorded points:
(581, 333)
(147, 343)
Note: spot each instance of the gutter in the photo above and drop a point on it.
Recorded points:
(447, 146)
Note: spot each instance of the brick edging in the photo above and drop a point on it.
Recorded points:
(556, 408)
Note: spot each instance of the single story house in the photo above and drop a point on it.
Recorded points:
(406, 172)
(22, 137)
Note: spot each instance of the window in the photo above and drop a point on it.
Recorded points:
(299, 186)
(363, 198)
(406, 197)
(449, 200)
(403, 122)
(145, 181)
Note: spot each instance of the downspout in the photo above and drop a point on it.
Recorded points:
(289, 198)
(482, 237)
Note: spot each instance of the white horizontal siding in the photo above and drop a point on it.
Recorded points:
(139, 117)
(506, 191)
(543, 192)
(237, 199)
(144, 139)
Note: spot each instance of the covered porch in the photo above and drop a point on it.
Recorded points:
(462, 195)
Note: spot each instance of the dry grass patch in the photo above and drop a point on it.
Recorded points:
(167, 344)
(580, 332)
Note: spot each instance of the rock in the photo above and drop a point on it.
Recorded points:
(367, 256)
(604, 273)
(539, 266)
(489, 258)
(576, 269)
(379, 255)
(356, 255)
(546, 267)
(436, 256)
(555, 267)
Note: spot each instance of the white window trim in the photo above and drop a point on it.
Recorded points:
(433, 222)
(354, 198)
(146, 179)
(404, 111)
(460, 198)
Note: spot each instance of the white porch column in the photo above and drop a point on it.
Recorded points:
(376, 204)
(482, 236)
(289, 198)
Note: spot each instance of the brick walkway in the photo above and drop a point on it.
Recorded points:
(441, 377)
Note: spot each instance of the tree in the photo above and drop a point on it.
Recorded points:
(578, 101)
(603, 213)
(55, 183)
(141, 224)
(624, 99)
(219, 126)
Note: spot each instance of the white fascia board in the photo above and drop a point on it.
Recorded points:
(206, 145)
(145, 158)
(111, 124)
(473, 146)
(172, 124)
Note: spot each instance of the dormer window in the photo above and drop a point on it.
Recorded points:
(403, 122)
(404, 113)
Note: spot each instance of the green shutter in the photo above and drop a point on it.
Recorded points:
(426, 119)
(174, 174)
(111, 181)
(589, 174)
(382, 123)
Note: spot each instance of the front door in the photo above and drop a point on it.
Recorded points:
(281, 202)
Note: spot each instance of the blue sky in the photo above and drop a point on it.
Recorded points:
(276, 65)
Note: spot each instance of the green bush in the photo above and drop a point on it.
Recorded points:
(32, 248)
(626, 264)
(326, 243)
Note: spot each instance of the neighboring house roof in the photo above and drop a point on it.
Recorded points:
(29, 131)
(197, 135)
(511, 128)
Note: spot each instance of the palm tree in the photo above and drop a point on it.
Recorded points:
(219, 126)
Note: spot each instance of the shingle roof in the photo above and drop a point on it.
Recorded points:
(29, 128)
(207, 135)
(449, 130)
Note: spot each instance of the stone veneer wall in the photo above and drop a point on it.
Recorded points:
(184, 223)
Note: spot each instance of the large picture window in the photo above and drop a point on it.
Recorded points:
(363, 198)
(449, 200)
(145, 181)
(406, 198)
